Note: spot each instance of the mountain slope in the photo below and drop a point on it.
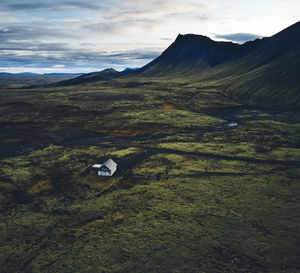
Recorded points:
(191, 53)
(269, 75)
(104, 75)
(261, 72)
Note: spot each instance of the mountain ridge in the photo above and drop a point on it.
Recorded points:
(191, 52)
(104, 75)
(261, 71)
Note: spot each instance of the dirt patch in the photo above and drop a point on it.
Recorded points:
(127, 131)
(168, 106)
(99, 182)
(88, 226)
(83, 171)
(40, 186)
(133, 131)
(95, 225)
(118, 216)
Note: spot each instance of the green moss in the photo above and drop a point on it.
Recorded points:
(124, 152)
(285, 154)
(184, 166)
(164, 210)
(152, 167)
(17, 169)
(175, 117)
(237, 149)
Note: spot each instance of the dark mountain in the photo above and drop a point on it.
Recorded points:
(192, 53)
(104, 75)
(189, 53)
(267, 75)
(261, 72)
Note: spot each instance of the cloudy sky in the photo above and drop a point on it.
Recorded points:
(46, 36)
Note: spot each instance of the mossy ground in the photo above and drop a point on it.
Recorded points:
(189, 195)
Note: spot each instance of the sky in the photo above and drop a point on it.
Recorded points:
(63, 36)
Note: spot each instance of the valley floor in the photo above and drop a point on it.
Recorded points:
(204, 183)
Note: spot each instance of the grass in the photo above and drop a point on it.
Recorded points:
(188, 195)
(240, 149)
(175, 165)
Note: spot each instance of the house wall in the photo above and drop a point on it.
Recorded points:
(94, 171)
(104, 173)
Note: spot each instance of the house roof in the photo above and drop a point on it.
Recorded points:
(108, 165)
(96, 165)
(111, 165)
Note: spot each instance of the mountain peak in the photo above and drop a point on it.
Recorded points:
(110, 70)
(293, 29)
(192, 38)
(192, 53)
(104, 75)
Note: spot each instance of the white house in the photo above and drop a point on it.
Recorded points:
(108, 168)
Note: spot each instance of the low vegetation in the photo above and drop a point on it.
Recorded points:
(191, 194)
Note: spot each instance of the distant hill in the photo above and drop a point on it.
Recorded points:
(32, 79)
(27, 73)
(46, 74)
(64, 74)
(106, 74)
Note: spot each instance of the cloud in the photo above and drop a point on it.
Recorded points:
(131, 16)
(238, 37)
(158, 7)
(125, 26)
(86, 33)
(50, 5)
(28, 6)
(39, 57)
(30, 31)
(166, 39)
(58, 66)
(84, 4)
(33, 47)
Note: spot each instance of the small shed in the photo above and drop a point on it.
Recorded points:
(108, 168)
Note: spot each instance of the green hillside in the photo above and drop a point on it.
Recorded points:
(268, 76)
(263, 72)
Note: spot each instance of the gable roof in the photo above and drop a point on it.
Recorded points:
(111, 165)
(97, 166)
